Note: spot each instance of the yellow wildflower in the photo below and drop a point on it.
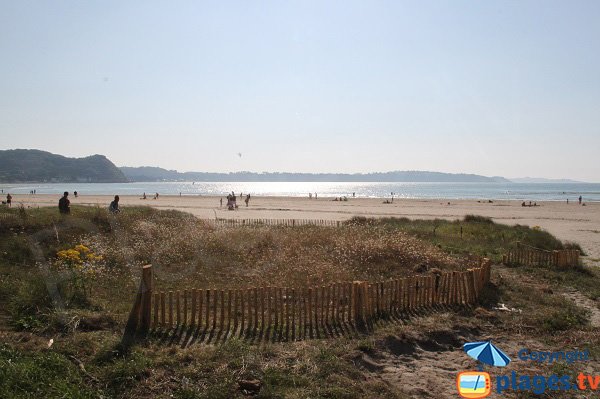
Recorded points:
(82, 248)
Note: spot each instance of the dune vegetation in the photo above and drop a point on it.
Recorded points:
(67, 285)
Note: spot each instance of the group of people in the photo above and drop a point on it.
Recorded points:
(155, 196)
(232, 201)
(344, 198)
(64, 204)
(534, 204)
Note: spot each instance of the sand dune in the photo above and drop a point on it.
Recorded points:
(569, 222)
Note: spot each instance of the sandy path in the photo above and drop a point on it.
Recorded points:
(570, 222)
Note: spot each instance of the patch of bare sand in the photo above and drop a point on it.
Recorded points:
(582, 301)
(425, 364)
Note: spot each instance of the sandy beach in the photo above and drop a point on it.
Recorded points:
(569, 222)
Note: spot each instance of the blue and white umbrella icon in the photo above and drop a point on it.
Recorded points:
(487, 353)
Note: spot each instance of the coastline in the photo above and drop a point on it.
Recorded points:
(405, 190)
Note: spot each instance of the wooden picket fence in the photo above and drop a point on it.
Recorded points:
(530, 256)
(273, 222)
(299, 312)
(9, 216)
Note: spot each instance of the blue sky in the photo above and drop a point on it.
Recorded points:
(507, 88)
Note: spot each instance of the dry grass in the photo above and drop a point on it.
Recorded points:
(186, 250)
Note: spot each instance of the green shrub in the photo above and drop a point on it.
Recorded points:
(565, 317)
(477, 219)
(41, 375)
(30, 304)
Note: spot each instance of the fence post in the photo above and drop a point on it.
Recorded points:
(146, 287)
(473, 291)
(193, 314)
(359, 303)
(141, 311)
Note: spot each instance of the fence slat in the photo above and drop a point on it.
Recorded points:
(327, 299)
(193, 312)
(185, 299)
(235, 310)
(170, 308)
(242, 311)
(275, 308)
(294, 300)
(287, 315)
(255, 291)
(222, 312)
(156, 303)
(268, 294)
(309, 312)
(262, 308)
(200, 304)
(162, 309)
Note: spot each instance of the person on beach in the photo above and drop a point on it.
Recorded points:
(8, 199)
(580, 199)
(144, 196)
(221, 202)
(247, 200)
(75, 194)
(64, 205)
(114, 205)
(231, 202)
(309, 195)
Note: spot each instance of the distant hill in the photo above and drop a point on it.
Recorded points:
(28, 166)
(541, 180)
(149, 173)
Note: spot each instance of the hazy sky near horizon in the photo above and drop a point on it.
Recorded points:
(507, 88)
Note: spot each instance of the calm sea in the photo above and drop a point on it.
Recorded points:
(515, 191)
